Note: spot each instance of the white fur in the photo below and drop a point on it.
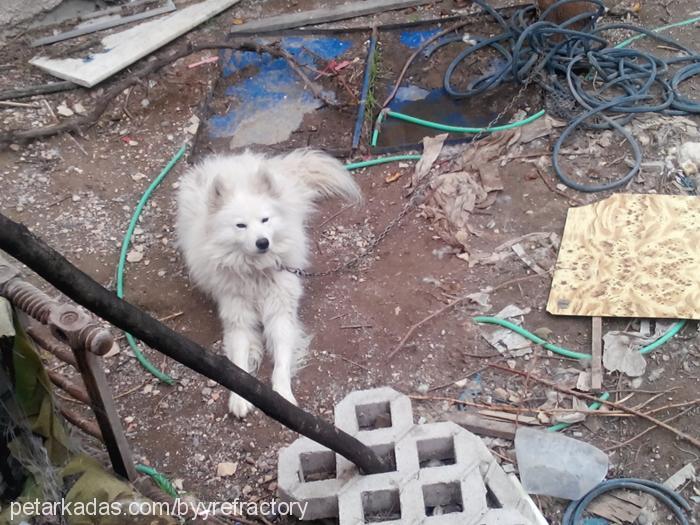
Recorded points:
(257, 300)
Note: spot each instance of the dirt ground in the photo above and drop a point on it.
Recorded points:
(78, 193)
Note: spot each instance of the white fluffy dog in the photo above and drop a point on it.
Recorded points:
(240, 225)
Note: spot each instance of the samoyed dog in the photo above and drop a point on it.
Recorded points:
(241, 224)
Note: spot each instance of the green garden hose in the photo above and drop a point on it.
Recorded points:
(570, 353)
(159, 479)
(627, 42)
(122, 262)
(448, 128)
(593, 406)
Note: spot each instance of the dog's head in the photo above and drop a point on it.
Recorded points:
(250, 223)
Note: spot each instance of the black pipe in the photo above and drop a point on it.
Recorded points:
(24, 246)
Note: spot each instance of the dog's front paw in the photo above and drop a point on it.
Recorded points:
(238, 406)
(286, 393)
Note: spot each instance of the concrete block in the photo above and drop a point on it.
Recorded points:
(442, 475)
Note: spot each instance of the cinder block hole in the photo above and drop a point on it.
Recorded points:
(387, 454)
(436, 452)
(373, 415)
(442, 498)
(381, 505)
(492, 501)
(318, 465)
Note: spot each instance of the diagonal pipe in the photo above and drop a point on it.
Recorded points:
(20, 243)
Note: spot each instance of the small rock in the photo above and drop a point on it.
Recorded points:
(79, 108)
(177, 483)
(206, 391)
(655, 374)
(148, 389)
(137, 176)
(64, 110)
(423, 388)
(145, 103)
(134, 256)
(689, 167)
(501, 394)
(75, 198)
(15, 147)
(193, 125)
(226, 469)
(161, 273)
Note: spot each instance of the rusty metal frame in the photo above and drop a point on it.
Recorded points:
(88, 340)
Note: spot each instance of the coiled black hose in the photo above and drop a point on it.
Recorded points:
(675, 503)
(572, 61)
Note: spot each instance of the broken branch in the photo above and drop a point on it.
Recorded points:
(449, 305)
(686, 437)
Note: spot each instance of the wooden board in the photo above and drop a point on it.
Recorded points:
(323, 15)
(630, 256)
(597, 354)
(482, 426)
(126, 47)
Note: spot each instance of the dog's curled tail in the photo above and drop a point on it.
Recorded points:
(323, 174)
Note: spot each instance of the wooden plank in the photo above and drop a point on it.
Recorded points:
(519, 418)
(597, 354)
(323, 15)
(102, 403)
(630, 256)
(126, 47)
(482, 426)
(620, 507)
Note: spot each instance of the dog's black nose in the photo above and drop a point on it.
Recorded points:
(262, 244)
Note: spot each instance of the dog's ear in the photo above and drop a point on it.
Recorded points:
(267, 184)
(216, 192)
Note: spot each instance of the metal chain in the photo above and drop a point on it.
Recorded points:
(415, 197)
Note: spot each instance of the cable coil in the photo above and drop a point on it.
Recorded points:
(606, 86)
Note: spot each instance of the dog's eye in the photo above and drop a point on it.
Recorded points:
(265, 219)
(240, 225)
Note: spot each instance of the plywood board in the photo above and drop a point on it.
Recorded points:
(126, 47)
(630, 256)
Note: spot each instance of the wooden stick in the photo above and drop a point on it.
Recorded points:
(358, 365)
(410, 60)
(554, 189)
(517, 410)
(41, 89)
(449, 305)
(686, 437)
(597, 354)
(19, 105)
(675, 405)
(420, 323)
(467, 376)
(646, 431)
